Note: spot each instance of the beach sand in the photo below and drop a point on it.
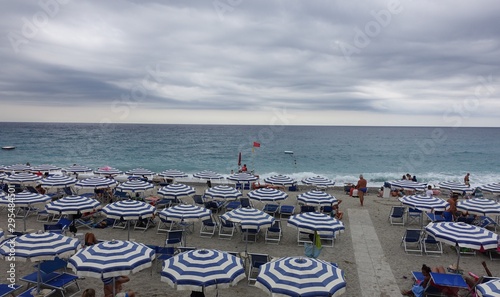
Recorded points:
(368, 251)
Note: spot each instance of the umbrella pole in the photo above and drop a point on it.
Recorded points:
(38, 279)
(128, 231)
(458, 252)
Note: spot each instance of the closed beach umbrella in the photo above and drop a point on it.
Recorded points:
(454, 186)
(408, 185)
(58, 181)
(267, 195)
(176, 191)
(45, 168)
(140, 172)
(318, 181)
(107, 170)
(22, 178)
(96, 183)
(299, 277)
(172, 173)
(280, 180)
(202, 270)
(129, 210)
(25, 199)
(37, 247)
(493, 188)
(319, 198)
(135, 186)
(207, 175)
(462, 235)
(480, 206)
(310, 222)
(75, 169)
(17, 168)
(72, 205)
(223, 192)
(424, 203)
(489, 289)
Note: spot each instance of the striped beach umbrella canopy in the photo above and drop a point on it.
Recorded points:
(249, 218)
(45, 168)
(223, 192)
(207, 175)
(202, 270)
(280, 180)
(318, 181)
(462, 235)
(489, 289)
(58, 181)
(111, 259)
(25, 199)
(172, 173)
(408, 185)
(77, 169)
(243, 177)
(22, 178)
(455, 186)
(185, 213)
(72, 205)
(493, 188)
(3, 176)
(299, 277)
(134, 186)
(18, 168)
(267, 195)
(107, 170)
(140, 172)
(2, 235)
(127, 210)
(480, 206)
(424, 203)
(176, 191)
(315, 197)
(310, 222)
(96, 183)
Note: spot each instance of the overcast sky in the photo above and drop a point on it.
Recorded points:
(424, 63)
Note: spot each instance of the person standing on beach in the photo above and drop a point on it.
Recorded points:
(361, 186)
(466, 179)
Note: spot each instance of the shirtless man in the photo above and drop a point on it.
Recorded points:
(361, 186)
(466, 179)
(453, 205)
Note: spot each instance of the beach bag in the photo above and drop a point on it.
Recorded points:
(418, 290)
(312, 251)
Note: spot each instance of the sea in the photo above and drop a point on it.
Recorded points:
(341, 153)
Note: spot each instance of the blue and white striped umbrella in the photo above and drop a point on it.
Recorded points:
(107, 170)
(140, 172)
(249, 218)
(2, 235)
(280, 180)
(172, 173)
(17, 168)
(45, 168)
(208, 175)
(129, 210)
(489, 289)
(176, 191)
(42, 246)
(318, 181)
(424, 203)
(77, 169)
(309, 222)
(480, 206)
(111, 259)
(202, 270)
(185, 213)
(267, 195)
(3, 176)
(243, 177)
(493, 188)
(96, 183)
(455, 186)
(319, 198)
(299, 277)
(26, 199)
(58, 181)
(223, 192)
(72, 205)
(408, 185)
(134, 186)
(22, 178)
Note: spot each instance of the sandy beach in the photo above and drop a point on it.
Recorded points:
(369, 252)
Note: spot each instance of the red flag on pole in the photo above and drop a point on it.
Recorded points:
(256, 144)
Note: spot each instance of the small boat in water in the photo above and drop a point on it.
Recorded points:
(8, 148)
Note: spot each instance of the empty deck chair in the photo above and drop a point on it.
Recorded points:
(414, 215)
(165, 226)
(226, 229)
(256, 261)
(286, 210)
(412, 241)
(397, 215)
(208, 228)
(431, 245)
(274, 233)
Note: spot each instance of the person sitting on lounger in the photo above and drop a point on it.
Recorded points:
(90, 239)
(108, 285)
(418, 290)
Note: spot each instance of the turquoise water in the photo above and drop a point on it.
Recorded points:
(340, 153)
